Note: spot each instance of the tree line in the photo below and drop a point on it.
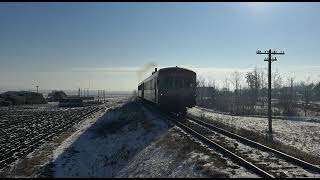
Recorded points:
(289, 97)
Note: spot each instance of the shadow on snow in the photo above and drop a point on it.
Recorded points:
(109, 144)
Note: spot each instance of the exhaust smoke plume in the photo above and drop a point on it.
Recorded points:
(144, 69)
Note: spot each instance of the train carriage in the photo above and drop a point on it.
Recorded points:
(171, 88)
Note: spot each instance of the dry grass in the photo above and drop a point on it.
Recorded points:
(210, 172)
(202, 115)
(181, 145)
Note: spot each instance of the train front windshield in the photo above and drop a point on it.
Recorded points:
(178, 82)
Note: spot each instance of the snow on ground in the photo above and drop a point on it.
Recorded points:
(130, 141)
(302, 135)
(292, 118)
(33, 162)
(107, 145)
(212, 163)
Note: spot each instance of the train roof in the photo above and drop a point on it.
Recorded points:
(167, 69)
(175, 68)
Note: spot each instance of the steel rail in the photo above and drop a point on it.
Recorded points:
(216, 146)
(297, 161)
(225, 151)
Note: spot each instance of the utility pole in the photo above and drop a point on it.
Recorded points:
(270, 59)
(104, 97)
(98, 95)
(37, 88)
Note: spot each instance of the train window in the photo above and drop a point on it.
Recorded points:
(171, 82)
(152, 84)
(163, 82)
(167, 82)
(188, 83)
(178, 83)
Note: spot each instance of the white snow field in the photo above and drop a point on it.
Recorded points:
(32, 165)
(130, 141)
(300, 134)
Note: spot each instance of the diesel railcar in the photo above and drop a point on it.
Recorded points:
(171, 88)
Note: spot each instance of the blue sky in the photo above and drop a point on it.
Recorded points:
(101, 45)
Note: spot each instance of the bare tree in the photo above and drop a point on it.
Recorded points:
(257, 81)
(286, 99)
(211, 92)
(263, 85)
(226, 94)
(236, 80)
(317, 91)
(201, 81)
(306, 94)
(236, 84)
(212, 83)
(226, 84)
(252, 80)
(200, 84)
(277, 84)
(263, 81)
(291, 80)
(247, 97)
(277, 80)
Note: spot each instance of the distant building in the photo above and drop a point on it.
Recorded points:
(3, 102)
(21, 97)
(87, 98)
(71, 102)
(56, 96)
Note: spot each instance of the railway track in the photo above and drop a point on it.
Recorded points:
(255, 144)
(274, 162)
(260, 159)
(22, 134)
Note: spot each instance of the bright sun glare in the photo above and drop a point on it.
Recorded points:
(255, 3)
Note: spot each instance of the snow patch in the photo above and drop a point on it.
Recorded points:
(302, 135)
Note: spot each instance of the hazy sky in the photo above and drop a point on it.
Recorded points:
(103, 45)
